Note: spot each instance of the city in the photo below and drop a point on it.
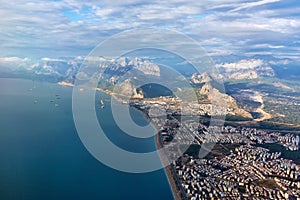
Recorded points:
(237, 166)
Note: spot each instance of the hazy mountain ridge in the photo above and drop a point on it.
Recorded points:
(230, 67)
(262, 73)
(44, 68)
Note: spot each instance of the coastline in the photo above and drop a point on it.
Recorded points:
(168, 169)
(169, 172)
(63, 83)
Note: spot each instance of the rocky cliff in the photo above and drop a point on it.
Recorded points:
(214, 94)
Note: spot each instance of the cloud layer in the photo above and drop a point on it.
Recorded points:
(72, 27)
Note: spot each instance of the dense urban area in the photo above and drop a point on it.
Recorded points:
(222, 162)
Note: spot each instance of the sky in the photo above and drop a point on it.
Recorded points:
(59, 28)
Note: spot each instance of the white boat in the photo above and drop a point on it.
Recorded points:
(102, 103)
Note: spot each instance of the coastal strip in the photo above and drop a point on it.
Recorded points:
(172, 177)
(63, 83)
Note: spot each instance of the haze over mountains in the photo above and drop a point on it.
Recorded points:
(64, 69)
(255, 88)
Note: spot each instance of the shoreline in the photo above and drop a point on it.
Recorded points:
(168, 169)
(174, 182)
(169, 173)
(63, 83)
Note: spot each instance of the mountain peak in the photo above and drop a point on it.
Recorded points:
(200, 78)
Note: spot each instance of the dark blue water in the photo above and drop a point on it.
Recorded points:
(41, 156)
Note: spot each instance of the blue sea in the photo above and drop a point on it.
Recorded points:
(42, 157)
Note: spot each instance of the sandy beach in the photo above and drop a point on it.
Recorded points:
(169, 170)
(63, 83)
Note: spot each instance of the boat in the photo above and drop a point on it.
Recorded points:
(102, 103)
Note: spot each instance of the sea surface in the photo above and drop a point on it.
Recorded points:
(42, 157)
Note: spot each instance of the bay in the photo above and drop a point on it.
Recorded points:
(42, 157)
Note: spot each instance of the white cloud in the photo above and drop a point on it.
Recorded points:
(13, 63)
(13, 59)
(253, 4)
(276, 47)
(243, 64)
(42, 28)
(51, 59)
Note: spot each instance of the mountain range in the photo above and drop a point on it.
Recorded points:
(230, 67)
(249, 82)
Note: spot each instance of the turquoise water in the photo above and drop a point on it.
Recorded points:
(41, 156)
